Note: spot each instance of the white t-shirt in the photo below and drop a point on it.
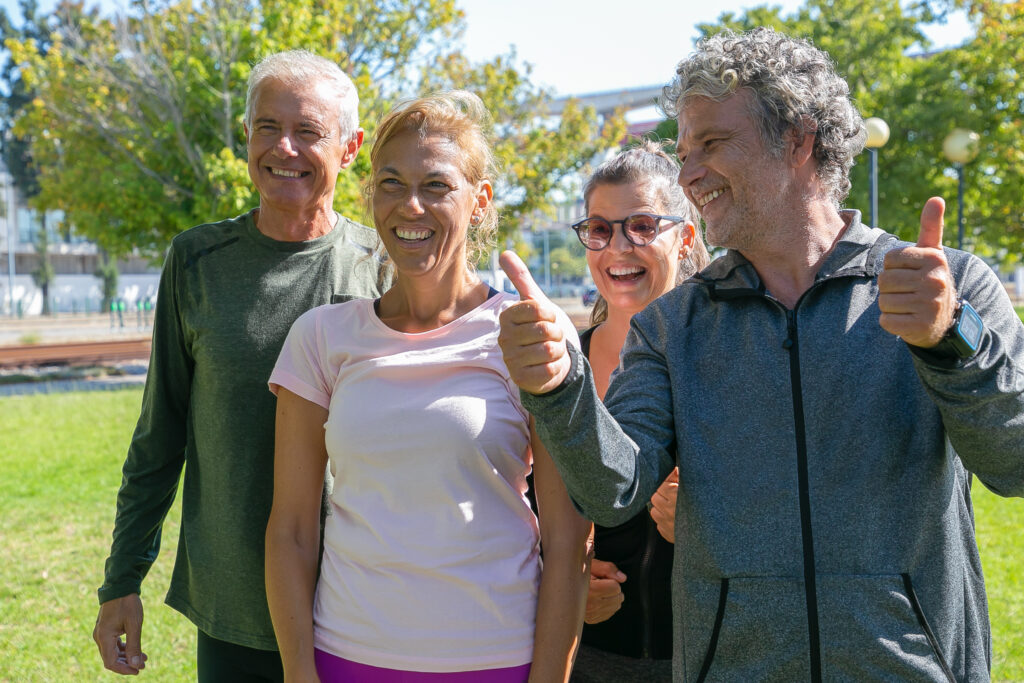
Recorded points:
(431, 558)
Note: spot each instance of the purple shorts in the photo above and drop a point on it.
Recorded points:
(337, 670)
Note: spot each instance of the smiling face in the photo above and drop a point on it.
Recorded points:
(295, 147)
(627, 276)
(423, 203)
(738, 185)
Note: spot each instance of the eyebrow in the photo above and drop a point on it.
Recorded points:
(394, 171)
(308, 123)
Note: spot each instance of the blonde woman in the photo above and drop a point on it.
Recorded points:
(431, 567)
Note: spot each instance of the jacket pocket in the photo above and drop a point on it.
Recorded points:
(745, 629)
(873, 628)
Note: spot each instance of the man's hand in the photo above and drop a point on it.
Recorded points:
(916, 293)
(604, 597)
(121, 616)
(530, 338)
(663, 506)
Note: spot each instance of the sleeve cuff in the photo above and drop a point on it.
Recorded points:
(575, 373)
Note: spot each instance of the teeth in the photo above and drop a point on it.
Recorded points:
(285, 172)
(619, 271)
(709, 196)
(413, 234)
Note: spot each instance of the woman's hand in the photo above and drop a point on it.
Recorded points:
(604, 597)
(663, 506)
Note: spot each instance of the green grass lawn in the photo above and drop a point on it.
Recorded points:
(59, 473)
(60, 467)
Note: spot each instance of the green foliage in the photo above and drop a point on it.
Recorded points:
(16, 149)
(136, 119)
(566, 264)
(922, 98)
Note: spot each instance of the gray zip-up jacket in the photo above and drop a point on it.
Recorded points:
(824, 529)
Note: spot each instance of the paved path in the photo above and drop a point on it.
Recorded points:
(69, 327)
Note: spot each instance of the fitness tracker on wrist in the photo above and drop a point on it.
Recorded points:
(964, 335)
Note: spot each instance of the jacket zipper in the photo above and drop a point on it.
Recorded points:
(645, 589)
(807, 534)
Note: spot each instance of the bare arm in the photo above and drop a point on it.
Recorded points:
(566, 539)
(293, 532)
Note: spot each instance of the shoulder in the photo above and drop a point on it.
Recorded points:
(207, 234)
(189, 245)
(357, 234)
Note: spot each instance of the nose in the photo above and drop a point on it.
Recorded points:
(284, 147)
(691, 169)
(412, 204)
(618, 243)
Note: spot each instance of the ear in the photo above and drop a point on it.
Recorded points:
(245, 129)
(352, 148)
(484, 195)
(687, 235)
(800, 144)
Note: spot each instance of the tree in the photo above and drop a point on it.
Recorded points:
(16, 154)
(44, 274)
(879, 47)
(136, 123)
(107, 273)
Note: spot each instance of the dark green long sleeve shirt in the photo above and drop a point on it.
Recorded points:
(228, 296)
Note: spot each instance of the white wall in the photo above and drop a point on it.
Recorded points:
(80, 293)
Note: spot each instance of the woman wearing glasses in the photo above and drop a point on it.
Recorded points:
(431, 568)
(641, 240)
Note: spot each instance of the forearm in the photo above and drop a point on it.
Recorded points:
(561, 604)
(982, 398)
(291, 580)
(600, 464)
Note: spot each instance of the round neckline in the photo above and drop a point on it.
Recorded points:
(494, 299)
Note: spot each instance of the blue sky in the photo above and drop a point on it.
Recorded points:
(584, 46)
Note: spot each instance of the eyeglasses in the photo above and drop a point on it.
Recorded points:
(640, 229)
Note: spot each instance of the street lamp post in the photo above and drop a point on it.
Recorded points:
(878, 135)
(960, 147)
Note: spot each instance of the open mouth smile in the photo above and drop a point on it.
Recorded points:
(626, 273)
(413, 234)
(287, 173)
(705, 198)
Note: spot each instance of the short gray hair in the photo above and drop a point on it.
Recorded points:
(794, 86)
(298, 67)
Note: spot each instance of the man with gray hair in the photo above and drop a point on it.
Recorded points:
(229, 292)
(811, 385)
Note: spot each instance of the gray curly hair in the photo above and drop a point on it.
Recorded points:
(794, 86)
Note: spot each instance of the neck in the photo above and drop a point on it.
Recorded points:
(616, 327)
(423, 303)
(795, 250)
(605, 346)
(295, 227)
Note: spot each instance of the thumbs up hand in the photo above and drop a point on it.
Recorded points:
(530, 337)
(916, 293)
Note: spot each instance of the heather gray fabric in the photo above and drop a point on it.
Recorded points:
(824, 530)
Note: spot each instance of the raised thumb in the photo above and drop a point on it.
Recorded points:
(931, 223)
(520, 276)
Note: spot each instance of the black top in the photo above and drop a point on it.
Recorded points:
(642, 627)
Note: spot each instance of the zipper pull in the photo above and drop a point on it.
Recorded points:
(790, 341)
